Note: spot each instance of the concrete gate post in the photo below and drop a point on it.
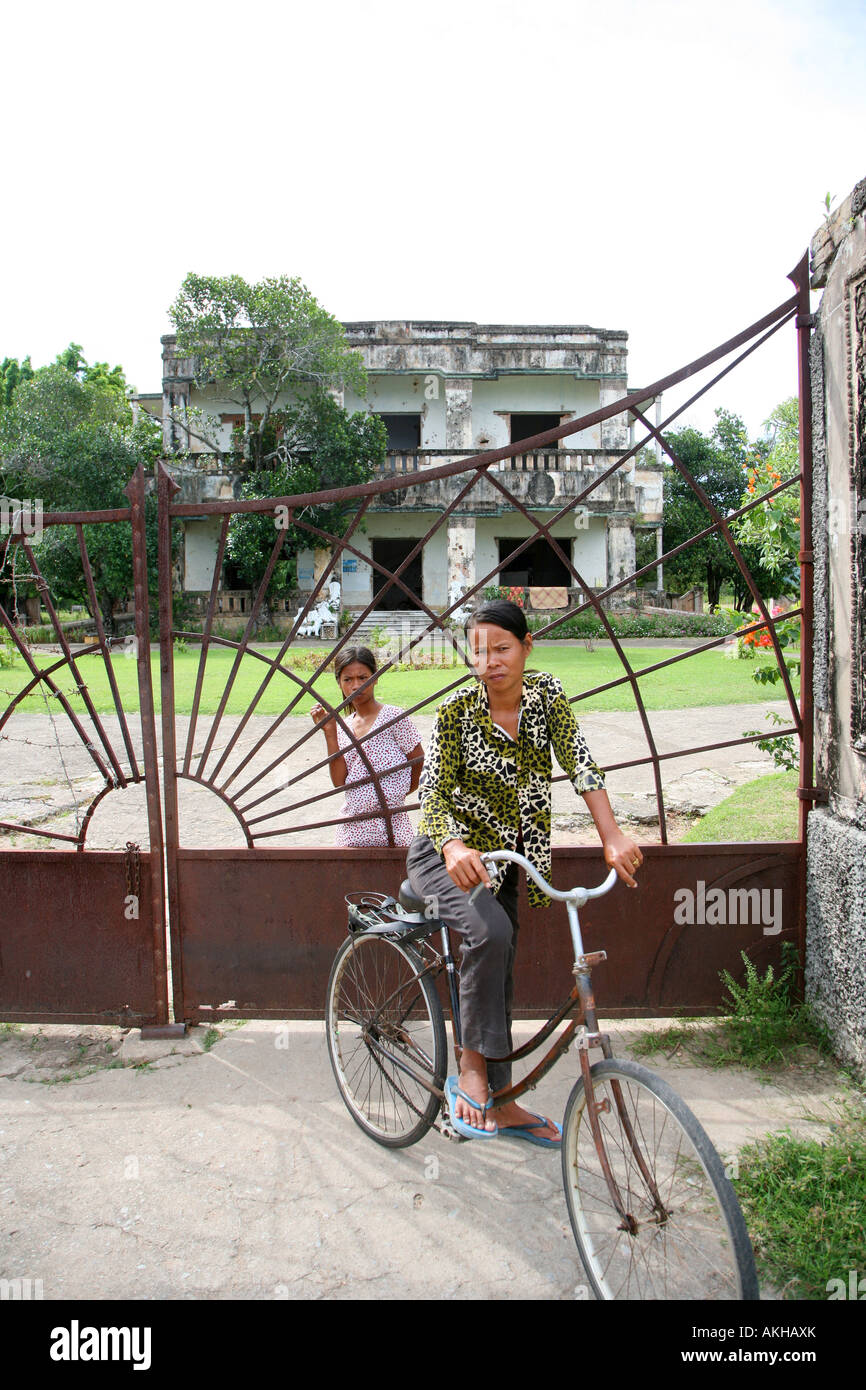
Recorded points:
(836, 838)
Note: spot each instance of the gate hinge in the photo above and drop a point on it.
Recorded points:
(806, 557)
(821, 794)
(806, 320)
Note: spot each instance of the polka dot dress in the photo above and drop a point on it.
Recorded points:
(384, 749)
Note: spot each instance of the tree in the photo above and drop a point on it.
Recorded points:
(717, 463)
(68, 438)
(99, 374)
(708, 562)
(323, 447)
(262, 345)
(11, 373)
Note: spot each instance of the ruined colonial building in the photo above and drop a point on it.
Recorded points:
(447, 391)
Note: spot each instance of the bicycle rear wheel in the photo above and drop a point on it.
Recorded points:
(386, 1038)
(682, 1233)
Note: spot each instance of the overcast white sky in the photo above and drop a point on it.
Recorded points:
(650, 165)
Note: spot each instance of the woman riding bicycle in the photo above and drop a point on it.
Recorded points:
(488, 775)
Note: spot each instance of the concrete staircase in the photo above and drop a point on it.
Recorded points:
(405, 623)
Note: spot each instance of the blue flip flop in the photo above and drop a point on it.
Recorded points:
(525, 1132)
(452, 1091)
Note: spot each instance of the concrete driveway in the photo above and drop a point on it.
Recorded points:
(233, 1171)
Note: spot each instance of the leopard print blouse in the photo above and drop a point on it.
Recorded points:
(486, 789)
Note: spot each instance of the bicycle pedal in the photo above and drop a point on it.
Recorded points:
(447, 1130)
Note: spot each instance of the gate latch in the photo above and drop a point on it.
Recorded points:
(133, 870)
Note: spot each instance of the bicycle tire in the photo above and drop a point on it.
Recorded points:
(688, 1240)
(386, 1038)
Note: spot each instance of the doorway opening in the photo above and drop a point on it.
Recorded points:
(537, 566)
(391, 554)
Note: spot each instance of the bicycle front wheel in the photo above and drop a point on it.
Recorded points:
(677, 1231)
(386, 1039)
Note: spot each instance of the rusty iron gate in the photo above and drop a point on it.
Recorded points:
(252, 924)
(82, 935)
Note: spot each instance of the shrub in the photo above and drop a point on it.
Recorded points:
(512, 592)
(672, 624)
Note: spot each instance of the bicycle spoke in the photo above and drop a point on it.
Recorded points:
(386, 1038)
(676, 1240)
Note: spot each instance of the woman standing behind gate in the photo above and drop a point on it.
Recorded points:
(488, 788)
(389, 742)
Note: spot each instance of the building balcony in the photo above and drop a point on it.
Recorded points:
(540, 460)
(544, 479)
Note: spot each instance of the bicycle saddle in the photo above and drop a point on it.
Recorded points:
(408, 899)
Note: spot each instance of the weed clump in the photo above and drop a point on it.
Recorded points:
(766, 1021)
(766, 1025)
(805, 1202)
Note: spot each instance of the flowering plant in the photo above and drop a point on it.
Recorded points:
(781, 746)
(774, 527)
(757, 639)
(512, 593)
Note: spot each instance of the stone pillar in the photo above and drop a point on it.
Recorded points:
(356, 577)
(458, 412)
(461, 556)
(660, 550)
(200, 548)
(434, 570)
(177, 376)
(615, 431)
(836, 831)
(620, 553)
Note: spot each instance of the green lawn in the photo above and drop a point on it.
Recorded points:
(707, 678)
(766, 809)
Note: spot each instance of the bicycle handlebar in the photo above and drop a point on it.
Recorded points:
(576, 895)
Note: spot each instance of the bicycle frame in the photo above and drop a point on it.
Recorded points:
(581, 998)
(387, 1033)
(580, 1001)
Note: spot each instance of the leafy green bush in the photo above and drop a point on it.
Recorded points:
(766, 1024)
(37, 636)
(629, 624)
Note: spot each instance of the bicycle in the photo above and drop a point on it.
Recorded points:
(652, 1210)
